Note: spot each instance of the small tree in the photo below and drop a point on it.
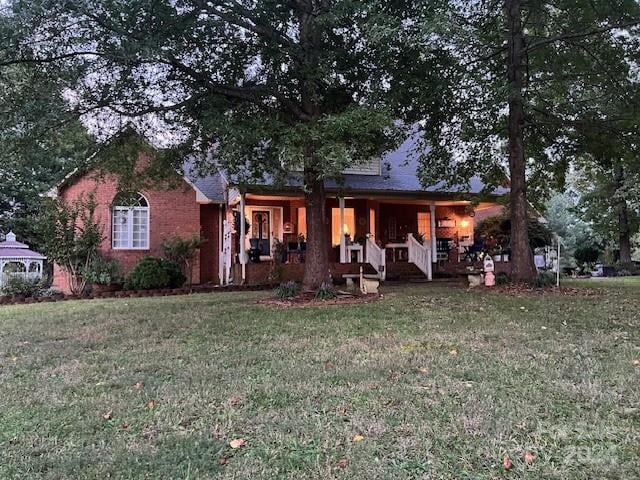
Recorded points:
(72, 236)
(182, 252)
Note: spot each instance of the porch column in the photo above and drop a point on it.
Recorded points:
(243, 233)
(343, 240)
(434, 244)
(220, 246)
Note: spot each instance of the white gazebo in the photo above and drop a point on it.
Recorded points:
(16, 260)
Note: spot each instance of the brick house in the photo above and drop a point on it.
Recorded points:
(379, 217)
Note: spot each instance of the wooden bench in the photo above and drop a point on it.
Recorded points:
(368, 283)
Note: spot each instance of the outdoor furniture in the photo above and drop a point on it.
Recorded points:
(368, 283)
(358, 249)
(296, 251)
(443, 247)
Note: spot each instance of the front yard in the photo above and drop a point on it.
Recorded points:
(429, 382)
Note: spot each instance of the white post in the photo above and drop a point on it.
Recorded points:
(243, 233)
(558, 264)
(220, 246)
(434, 244)
(343, 240)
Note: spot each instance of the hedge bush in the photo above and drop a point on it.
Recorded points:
(154, 272)
(24, 287)
(545, 280)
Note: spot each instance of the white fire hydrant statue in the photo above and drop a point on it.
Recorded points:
(489, 276)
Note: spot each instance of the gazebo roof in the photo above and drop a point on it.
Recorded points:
(11, 248)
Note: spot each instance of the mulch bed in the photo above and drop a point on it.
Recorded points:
(307, 299)
(19, 299)
(526, 290)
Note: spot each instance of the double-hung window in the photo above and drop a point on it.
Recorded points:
(130, 222)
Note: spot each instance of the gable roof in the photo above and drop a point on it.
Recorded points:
(399, 175)
(212, 186)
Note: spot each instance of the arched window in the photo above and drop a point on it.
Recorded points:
(130, 222)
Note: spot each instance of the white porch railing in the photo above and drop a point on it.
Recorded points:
(376, 257)
(420, 256)
(225, 257)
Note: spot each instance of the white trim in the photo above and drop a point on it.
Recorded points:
(201, 198)
(130, 214)
(343, 240)
(243, 237)
(220, 247)
(434, 243)
(272, 234)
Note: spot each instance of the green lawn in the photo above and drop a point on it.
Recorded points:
(440, 383)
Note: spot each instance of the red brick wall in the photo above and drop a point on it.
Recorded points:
(172, 211)
(209, 253)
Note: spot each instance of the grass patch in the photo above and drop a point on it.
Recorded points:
(440, 382)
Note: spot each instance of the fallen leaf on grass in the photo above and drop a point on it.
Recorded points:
(223, 461)
(138, 385)
(507, 463)
(343, 462)
(108, 415)
(237, 443)
(529, 457)
(151, 404)
(453, 352)
(358, 438)
(235, 400)
(636, 362)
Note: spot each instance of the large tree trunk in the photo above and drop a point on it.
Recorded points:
(624, 233)
(316, 268)
(522, 266)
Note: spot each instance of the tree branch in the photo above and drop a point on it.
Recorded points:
(575, 35)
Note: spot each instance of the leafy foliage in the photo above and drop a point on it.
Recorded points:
(325, 292)
(153, 272)
(182, 252)
(15, 285)
(270, 89)
(286, 290)
(545, 279)
(498, 229)
(71, 237)
(103, 271)
(587, 253)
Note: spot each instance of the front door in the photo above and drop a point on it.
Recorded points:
(261, 231)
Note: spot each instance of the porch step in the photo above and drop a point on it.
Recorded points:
(404, 271)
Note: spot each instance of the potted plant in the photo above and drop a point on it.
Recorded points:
(104, 274)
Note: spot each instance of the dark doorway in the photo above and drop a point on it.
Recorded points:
(261, 231)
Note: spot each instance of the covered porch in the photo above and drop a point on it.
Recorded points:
(382, 233)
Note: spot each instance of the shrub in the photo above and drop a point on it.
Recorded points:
(503, 278)
(626, 269)
(153, 272)
(545, 280)
(182, 252)
(103, 271)
(325, 292)
(20, 286)
(50, 292)
(287, 290)
(586, 254)
(72, 235)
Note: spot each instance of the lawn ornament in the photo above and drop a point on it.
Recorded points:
(489, 277)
